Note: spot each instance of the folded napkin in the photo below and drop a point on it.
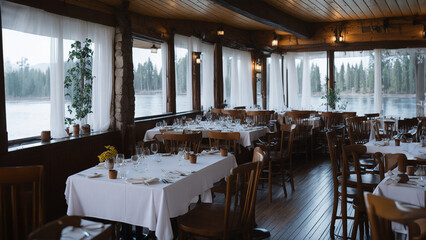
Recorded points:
(204, 152)
(142, 180)
(94, 175)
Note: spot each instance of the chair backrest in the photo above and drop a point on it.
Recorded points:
(329, 119)
(334, 148)
(381, 211)
(407, 124)
(421, 128)
(216, 113)
(241, 197)
(235, 113)
(354, 151)
(173, 141)
(261, 117)
(372, 115)
(287, 129)
(258, 155)
(228, 140)
(359, 130)
(240, 107)
(53, 230)
(392, 159)
(389, 128)
(21, 204)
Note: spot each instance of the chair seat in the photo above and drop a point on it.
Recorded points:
(369, 181)
(350, 192)
(196, 222)
(276, 156)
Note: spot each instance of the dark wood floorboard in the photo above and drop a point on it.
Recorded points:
(304, 213)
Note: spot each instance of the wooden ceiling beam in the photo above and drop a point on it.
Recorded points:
(268, 15)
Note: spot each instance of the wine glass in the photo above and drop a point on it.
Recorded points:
(154, 148)
(139, 152)
(180, 156)
(119, 159)
(249, 120)
(198, 118)
(135, 161)
(145, 154)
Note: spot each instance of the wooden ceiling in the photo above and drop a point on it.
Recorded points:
(340, 10)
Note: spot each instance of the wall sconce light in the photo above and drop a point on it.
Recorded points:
(424, 31)
(275, 40)
(338, 37)
(154, 49)
(198, 60)
(220, 31)
(257, 66)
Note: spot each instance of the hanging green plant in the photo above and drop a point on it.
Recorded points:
(79, 79)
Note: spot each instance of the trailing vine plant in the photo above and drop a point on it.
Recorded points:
(79, 80)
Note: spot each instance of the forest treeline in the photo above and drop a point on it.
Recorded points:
(398, 77)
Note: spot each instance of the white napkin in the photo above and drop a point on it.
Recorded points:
(94, 175)
(141, 181)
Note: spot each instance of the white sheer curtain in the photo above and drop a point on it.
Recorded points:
(276, 91)
(164, 76)
(240, 74)
(306, 82)
(34, 21)
(186, 43)
(207, 90)
(292, 83)
(378, 80)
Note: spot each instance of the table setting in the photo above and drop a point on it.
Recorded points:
(248, 132)
(147, 189)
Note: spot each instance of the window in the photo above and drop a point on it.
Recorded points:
(148, 80)
(36, 46)
(27, 83)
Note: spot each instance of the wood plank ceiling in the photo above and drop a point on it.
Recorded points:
(340, 10)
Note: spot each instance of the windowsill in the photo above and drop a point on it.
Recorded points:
(165, 116)
(38, 143)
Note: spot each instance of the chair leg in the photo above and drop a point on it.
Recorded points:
(361, 227)
(355, 226)
(270, 181)
(344, 210)
(283, 179)
(291, 174)
(334, 214)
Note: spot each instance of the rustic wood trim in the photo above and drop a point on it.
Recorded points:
(218, 76)
(171, 81)
(3, 129)
(253, 77)
(263, 82)
(65, 9)
(196, 81)
(268, 15)
(330, 59)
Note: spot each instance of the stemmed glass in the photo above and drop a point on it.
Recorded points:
(135, 161)
(145, 154)
(180, 156)
(249, 120)
(154, 149)
(119, 159)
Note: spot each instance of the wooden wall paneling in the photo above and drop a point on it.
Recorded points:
(298, 9)
(405, 9)
(218, 75)
(422, 4)
(384, 8)
(414, 7)
(330, 59)
(171, 80)
(3, 129)
(374, 8)
(330, 13)
(346, 13)
(196, 81)
(394, 7)
(263, 83)
(253, 77)
(357, 12)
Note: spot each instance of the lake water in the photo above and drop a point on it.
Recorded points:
(26, 118)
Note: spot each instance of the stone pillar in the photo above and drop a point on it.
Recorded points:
(124, 94)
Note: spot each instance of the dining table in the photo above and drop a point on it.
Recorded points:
(148, 193)
(415, 151)
(248, 133)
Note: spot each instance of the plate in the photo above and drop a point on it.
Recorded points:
(94, 175)
(166, 154)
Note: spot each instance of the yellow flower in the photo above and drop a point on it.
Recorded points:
(110, 153)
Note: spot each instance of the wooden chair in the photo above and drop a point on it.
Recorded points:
(21, 202)
(261, 117)
(382, 211)
(174, 141)
(392, 159)
(227, 140)
(53, 230)
(279, 157)
(371, 116)
(216, 113)
(235, 113)
(240, 107)
(335, 150)
(389, 128)
(362, 182)
(359, 130)
(405, 125)
(303, 138)
(421, 129)
(235, 218)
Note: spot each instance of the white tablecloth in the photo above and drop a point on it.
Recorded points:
(142, 205)
(401, 192)
(411, 150)
(247, 134)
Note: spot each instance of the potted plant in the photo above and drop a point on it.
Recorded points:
(332, 98)
(78, 81)
(68, 123)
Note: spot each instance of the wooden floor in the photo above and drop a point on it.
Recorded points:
(305, 213)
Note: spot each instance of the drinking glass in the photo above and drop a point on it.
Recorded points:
(238, 121)
(180, 156)
(119, 159)
(145, 154)
(139, 152)
(154, 148)
(249, 120)
(135, 161)
(198, 118)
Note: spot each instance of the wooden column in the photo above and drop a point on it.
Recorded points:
(253, 77)
(171, 81)
(263, 81)
(420, 81)
(3, 130)
(218, 76)
(330, 58)
(196, 89)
